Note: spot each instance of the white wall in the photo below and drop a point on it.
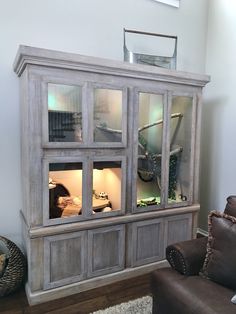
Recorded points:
(218, 175)
(91, 27)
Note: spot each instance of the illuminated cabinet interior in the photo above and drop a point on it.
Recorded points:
(110, 161)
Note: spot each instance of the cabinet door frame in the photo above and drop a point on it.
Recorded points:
(164, 94)
(107, 158)
(45, 166)
(189, 227)
(121, 250)
(91, 88)
(87, 168)
(167, 105)
(87, 86)
(48, 284)
(67, 81)
(133, 247)
(192, 95)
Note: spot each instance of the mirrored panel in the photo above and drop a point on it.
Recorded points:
(65, 189)
(107, 115)
(64, 113)
(107, 178)
(150, 129)
(180, 149)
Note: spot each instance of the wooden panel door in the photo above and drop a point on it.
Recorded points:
(178, 228)
(106, 250)
(65, 259)
(147, 242)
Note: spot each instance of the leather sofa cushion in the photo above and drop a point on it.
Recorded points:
(174, 293)
(230, 208)
(220, 261)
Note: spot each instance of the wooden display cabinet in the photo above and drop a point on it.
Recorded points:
(110, 162)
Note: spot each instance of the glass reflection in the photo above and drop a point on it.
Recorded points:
(64, 113)
(107, 115)
(149, 149)
(180, 149)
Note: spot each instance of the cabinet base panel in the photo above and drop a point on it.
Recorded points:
(64, 291)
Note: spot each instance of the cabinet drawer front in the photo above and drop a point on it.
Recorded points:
(65, 259)
(147, 241)
(106, 247)
(178, 228)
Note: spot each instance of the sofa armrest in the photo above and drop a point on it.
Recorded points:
(187, 257)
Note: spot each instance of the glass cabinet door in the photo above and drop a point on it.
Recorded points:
(72, 194)
(64, 113)
(150, 130)
(180, 149)
(65, 189)
(108, 115)
(107, 186)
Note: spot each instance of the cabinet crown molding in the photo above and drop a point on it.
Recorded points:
(27, 55)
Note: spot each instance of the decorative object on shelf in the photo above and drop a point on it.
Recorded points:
(103, 195)
(168, 62)
(103, 126)
(106, 209)
(51, 184)
(64, 201)
(95, 194)
(14, 267)
(56, 208)
(148, 201)
(173, 176)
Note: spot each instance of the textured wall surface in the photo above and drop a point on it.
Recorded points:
(219, 111)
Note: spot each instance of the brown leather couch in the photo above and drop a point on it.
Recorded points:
(180, 289)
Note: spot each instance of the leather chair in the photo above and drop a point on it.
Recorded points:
(180, 289)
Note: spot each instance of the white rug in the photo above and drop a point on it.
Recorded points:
(138, 306)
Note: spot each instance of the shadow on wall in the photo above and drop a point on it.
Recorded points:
(211, 157)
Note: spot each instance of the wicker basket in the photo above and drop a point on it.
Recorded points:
(15, 271)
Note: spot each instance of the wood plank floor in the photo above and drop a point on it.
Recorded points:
(82, 303)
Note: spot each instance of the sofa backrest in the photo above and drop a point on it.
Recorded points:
(230, 208)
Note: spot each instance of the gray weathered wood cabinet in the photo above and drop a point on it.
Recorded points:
(110, 161)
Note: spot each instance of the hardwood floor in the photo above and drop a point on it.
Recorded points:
(82, 303)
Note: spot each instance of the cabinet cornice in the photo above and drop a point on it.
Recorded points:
(50, 58)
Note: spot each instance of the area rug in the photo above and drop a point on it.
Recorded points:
(138, 306)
